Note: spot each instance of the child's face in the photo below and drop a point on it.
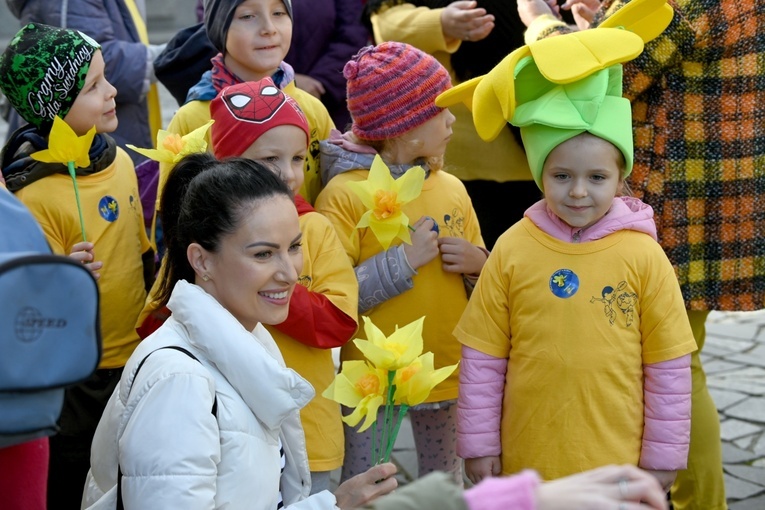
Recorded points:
(283, 148)
(427, 140)
(258, 38)
(581, 177)
(95, 104)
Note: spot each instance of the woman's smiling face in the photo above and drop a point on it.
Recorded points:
(254, 270)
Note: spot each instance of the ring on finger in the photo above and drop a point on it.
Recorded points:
(622, 489)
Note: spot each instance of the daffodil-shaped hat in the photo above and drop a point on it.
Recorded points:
(559, 87)
(549, 113)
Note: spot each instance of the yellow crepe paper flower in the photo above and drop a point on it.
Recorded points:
(361, 386)
(64, 146)
(415, 382)
(171, 147)
(398, 350)
(395, 373)
(384, 196)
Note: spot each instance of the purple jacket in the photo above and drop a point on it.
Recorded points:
(325, 35)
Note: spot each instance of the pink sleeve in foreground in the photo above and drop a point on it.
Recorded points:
(517, 492)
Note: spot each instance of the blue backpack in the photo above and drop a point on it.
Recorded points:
(50, 334)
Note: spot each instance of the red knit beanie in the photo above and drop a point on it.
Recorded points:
(392, 89)
(244, 111)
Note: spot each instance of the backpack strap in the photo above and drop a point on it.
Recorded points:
(120, 505)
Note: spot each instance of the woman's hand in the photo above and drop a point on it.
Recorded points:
(482, 467)
(368, 486)
(465, 22)
(610, 487)
(310, 85)
(83, 253)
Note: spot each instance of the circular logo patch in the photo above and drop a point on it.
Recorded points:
(564, 283)
(108, 208)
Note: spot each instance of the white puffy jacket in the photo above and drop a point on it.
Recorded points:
(174, 452)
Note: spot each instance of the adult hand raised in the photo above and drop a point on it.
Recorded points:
(465, 21)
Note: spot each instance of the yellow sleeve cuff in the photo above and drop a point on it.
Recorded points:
(541, 28)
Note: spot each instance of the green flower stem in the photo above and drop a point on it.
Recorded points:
(374, 443)
(403, 408)
(411, 228)
(387, 417)
(70, 167)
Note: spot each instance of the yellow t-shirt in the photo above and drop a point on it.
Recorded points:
(196, 113)
(326, 270)
(113, 219)
(578, 322)
(438, 295)
(467, 155)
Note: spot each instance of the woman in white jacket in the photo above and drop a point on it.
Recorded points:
(221, 431)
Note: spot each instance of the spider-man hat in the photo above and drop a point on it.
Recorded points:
(245, 111)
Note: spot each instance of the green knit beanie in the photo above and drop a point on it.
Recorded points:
(43, 70)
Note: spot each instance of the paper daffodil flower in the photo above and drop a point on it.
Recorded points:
(384, 197)
(171, 147)
(361, 386)
(415, 382)
(64, 146)
(398, 350)
(72, 151)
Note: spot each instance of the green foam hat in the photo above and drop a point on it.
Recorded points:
(549, 113)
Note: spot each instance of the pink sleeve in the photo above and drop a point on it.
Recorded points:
(667, 432)
(479, 406)
(516, 492)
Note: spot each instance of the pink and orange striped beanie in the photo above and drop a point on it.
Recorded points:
(392, 89)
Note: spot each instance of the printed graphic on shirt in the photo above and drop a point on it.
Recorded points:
(108, 208)
(455, 223)
(564, 283)
(625, 301)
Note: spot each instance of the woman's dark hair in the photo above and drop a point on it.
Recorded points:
(203, 200)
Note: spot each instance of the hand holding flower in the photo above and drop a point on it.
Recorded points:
(424, 247)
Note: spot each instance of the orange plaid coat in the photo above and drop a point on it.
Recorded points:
(698, 107)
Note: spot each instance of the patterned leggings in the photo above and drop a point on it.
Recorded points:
(435, 438)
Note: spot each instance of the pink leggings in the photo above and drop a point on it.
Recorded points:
(435, 438)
